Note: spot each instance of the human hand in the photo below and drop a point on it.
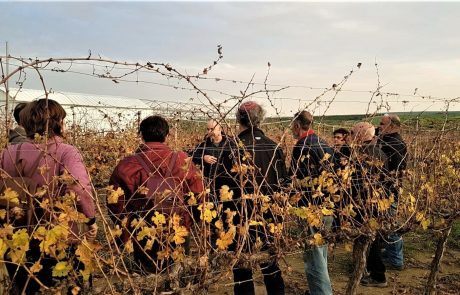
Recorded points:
(210, 159)
(91, 232)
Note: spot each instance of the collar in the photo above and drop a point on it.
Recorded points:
(307, 133)
(153, 146)
(254, 131)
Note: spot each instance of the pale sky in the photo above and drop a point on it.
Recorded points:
(416, 45)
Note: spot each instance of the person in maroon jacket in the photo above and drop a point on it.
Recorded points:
(143, 177)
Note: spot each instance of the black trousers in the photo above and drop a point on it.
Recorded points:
(375, 264)
(22, 282)
(273, 280)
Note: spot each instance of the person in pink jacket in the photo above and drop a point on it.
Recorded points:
(43, 158)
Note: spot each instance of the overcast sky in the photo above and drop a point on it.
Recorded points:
(416, 45)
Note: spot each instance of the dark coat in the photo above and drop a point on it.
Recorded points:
(307, 156)
(268, 160)
(218, 174)
(370, 166)
(395, 149)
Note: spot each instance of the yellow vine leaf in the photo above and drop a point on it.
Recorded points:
(61, 269)
(159, 219)
(2, 213)
(180, 232)
(425, 223)
(192, 200)
(318, 239)
(164, 254)
(19, 246)
(129, 247)
(207, 214)
(10, 196)
(373, 224)
(226, 238)
(113, 195)
(327, 212)
(255, 223)
(275, 229)
(36, 267)
(225, 193)
(178, 254)
(116, 232)
(145, 232)
(219, 224)
(3, 248)
(348, 247)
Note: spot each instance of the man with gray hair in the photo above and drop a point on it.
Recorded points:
(395, 149)
(266, 174)
(370, 168)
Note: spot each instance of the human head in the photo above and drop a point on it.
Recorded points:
(214, 130)
(154, 129)
(389, 124)
(340, 136)
(302, 122)
(19, 107)
(362, 132)
(249, 115)
(40, 114)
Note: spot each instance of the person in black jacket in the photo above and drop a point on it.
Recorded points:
(311, 156)
(215, 156)
(370, 167)
(266, 172)
(395, 149)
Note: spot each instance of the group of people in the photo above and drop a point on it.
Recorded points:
(157, 180)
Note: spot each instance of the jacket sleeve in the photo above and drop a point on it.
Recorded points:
(198, 154)
(73, 163)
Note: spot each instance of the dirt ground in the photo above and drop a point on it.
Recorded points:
(419, 249)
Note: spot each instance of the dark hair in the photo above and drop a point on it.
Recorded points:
(154, 129)
(40, 114)
(341, 131)
(250, 114)
(19, 107)
(304, 119)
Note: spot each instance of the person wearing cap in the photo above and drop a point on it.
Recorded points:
(370, 167)
(265, 176)
(311, 156)
(395, 149)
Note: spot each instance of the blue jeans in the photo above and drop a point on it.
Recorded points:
(315, 264)
(393, 254)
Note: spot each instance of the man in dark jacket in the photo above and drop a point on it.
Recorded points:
(311, 156)
(265, 174)
(395, 149)
(370, 166)
(215, 156)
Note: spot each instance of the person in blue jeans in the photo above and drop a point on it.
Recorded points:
(315, 265)
(395, 149)
(310, 159)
